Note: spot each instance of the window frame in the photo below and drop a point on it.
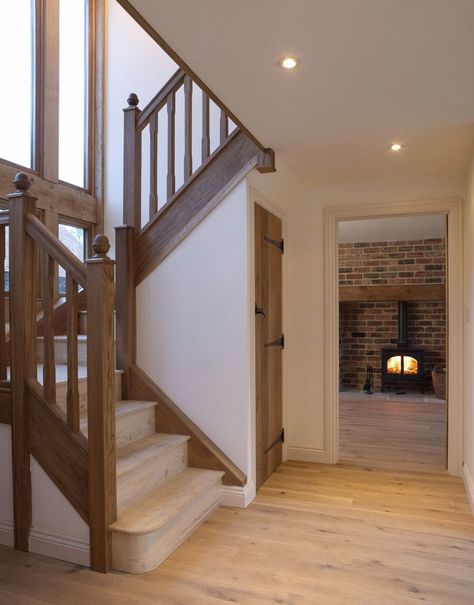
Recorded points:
(71, 201)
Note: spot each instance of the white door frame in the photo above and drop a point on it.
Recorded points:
(454, 210)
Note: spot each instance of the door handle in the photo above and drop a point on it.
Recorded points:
(259, 311)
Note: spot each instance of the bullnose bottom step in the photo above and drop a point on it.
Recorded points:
(150, 530)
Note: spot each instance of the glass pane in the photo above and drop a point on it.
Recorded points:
(410, 365)
(72, 91)
(394, 365)
(73, 238)
(16, 75)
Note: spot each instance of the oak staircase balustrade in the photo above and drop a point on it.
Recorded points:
(83, 469)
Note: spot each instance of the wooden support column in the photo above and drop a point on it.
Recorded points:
(100, 402)
(125, 303)
(23, 363)
(132, 164)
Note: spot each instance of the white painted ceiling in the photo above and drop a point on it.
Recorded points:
(392, 229)
(373, 71)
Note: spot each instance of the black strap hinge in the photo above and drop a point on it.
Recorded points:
(278, 243)
(279, 342)
(279, 439)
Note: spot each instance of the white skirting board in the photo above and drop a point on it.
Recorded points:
(306, 454)
(6, 533)
(239, 497)
(469, 484)
(59, 547)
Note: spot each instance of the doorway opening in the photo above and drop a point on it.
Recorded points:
(452, 381)
(392, 342)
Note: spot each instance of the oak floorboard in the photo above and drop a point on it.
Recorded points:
(315, 534)
(388, 433)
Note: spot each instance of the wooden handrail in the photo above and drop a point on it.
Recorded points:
(160, 99)
(56, 249)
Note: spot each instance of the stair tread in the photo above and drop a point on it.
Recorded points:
(124, 407)
(168, 500)
(138, 452)
(61, 374)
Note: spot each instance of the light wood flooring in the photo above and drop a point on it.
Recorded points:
(389, 432)
(315, 535)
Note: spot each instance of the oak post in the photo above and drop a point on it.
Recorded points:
(23, 362)
(125, 303)
(132, 163)
(100, 402)
(3, 339)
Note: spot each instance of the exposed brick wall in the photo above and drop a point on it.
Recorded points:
(382, 263)
(365, 328)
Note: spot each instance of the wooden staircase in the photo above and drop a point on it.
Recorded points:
(138, 471)
(160, 500)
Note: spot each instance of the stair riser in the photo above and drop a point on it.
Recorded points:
(137, 483)
(140, 553)
(60, 352)
(61, 393)
(134, 426)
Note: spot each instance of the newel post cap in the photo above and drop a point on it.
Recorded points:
(100, 246)
(21, 182)
(132, 101)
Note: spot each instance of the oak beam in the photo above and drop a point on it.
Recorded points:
(392, 293)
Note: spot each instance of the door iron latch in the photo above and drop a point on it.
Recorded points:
(278, 243)
(279, 439)
(279, 342)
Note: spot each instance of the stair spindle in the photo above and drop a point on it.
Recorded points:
(49, 294)
(72, 297)
(188, 127)
(171, 180)
(206, 141)
(224, 127)
(153, 165)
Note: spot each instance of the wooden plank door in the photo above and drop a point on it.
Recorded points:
(269, 342)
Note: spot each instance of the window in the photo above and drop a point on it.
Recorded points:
(45, 64)
(73, 87)
(17, 77)
(75, 239)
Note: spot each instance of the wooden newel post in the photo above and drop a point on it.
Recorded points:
(100, 402)
(132, 164)
(125, 303)
(22, 339)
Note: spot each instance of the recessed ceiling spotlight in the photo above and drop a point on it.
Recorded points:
(395, 147)
(289, 63)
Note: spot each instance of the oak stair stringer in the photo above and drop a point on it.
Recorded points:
(206, 188)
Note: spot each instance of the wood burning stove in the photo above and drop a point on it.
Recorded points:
(403, 365)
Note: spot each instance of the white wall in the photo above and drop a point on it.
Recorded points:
(56, 530)
(469, 267)
(304, 319)
(134, 63)
(194, 327)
